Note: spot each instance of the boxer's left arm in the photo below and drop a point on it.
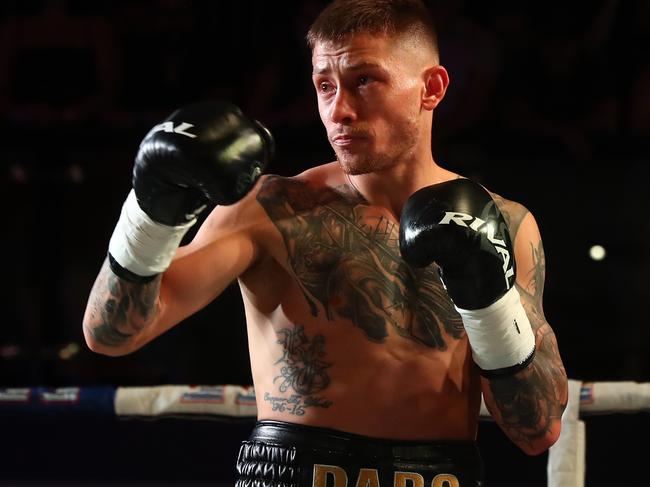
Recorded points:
(472, 236)
(528, 405)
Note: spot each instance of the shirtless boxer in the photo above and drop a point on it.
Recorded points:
(368, 370)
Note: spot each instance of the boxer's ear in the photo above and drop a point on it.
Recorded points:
(436, 80)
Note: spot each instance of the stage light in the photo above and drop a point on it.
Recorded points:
(597, 252)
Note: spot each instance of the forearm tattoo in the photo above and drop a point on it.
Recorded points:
(530, 401)
(120, 309)
(345, 256)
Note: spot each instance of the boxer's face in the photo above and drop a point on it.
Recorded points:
(369, 91)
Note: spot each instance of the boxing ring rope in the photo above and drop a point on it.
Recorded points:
(566, 460)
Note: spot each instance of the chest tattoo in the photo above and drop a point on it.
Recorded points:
(345, 256)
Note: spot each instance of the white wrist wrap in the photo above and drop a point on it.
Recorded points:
(141, 245)
(500, 335)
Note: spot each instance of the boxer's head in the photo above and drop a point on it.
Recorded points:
(377, 77)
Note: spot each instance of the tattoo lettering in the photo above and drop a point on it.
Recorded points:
(345, 256)
(295, 404)
(302, 372)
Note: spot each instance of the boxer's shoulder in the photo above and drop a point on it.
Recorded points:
(315, 187)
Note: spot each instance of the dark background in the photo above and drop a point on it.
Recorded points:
(549, 105)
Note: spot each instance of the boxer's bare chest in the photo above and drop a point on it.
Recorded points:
(344, 256)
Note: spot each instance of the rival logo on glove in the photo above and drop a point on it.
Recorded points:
(478, 225)
(169, 128)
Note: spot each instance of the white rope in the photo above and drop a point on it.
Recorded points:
(614, 397)
(232, 401)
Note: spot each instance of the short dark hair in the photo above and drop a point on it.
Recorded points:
(343, 18)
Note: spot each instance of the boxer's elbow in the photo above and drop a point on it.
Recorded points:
(542, 442)
(97, 342)
(109, 351)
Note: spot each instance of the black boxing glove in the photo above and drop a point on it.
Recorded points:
(457, 225)
(206, 152)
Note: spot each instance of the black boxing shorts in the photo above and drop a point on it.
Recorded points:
(281, 454)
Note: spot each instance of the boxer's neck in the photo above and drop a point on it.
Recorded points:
(391, 187)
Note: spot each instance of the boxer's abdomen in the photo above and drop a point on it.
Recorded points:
(310, 370)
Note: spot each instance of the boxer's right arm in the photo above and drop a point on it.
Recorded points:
(118, 310)
(204, 152)
(123, 316)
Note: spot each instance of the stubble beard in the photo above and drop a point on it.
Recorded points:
(356, 164)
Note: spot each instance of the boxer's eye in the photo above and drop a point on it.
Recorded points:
(363, 80)
(324, 87)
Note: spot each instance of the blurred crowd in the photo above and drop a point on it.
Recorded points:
(563, 72)
(81, 82)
